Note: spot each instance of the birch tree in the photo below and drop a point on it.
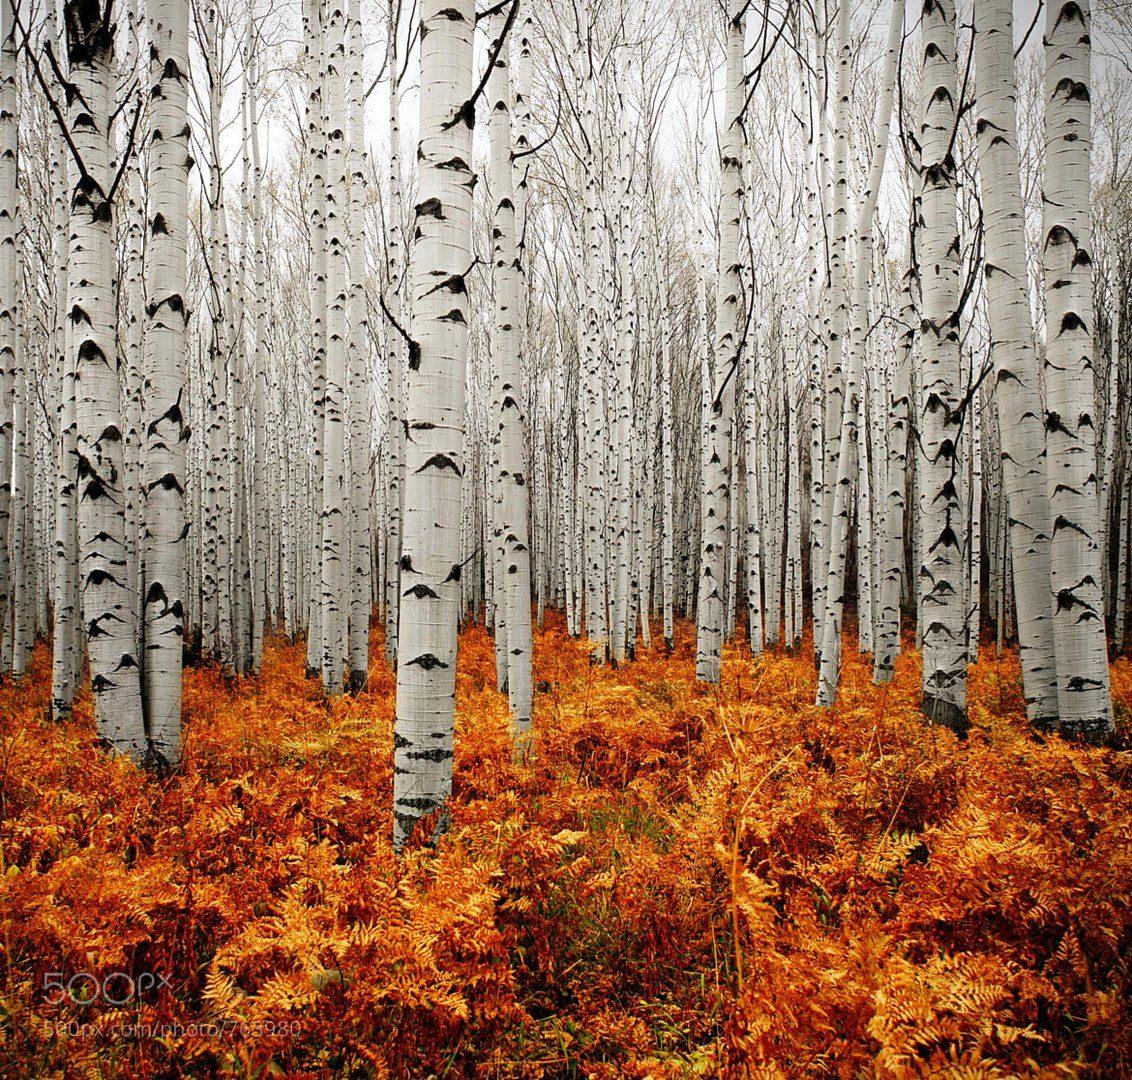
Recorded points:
(108, 607)
(394, 351)
(717, 470)
(166, 428)
(830, 630)
(434, 460)
(1017, 387)
(67, 646)
(941, 418)
(1084, 704)
(361, 592)
(332, 518)
(512, 482)
(9, 291)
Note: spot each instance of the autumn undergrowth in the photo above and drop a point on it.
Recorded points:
(686, 881)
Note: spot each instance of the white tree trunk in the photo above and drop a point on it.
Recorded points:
(361, 589)
(1017, 387)
(9, 297)
(430, 563)
(595, 508)
(511, 481)
(333, 554)
(717, 472)
(667, 467)
(166, 420)
(847, 464)
(834, 403)
(394, 351)
(259, 518)
(314, 52)
(753, 532)
(1084, 704)
(67, 644)
(942, 528)
(108, 606)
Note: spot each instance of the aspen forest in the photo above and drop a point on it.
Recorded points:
(565, 538)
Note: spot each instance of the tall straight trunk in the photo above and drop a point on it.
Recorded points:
(494, 511)
(942, 529)
(493, 504)
(1076, 574)
(717, 473)
(316, 150)
(333, 555)
(108, 606)
(1107, 438)
(259, 494)
(1123, 529)
(361, 591)
(18, 627)
(218, 594)
(847, 465)
(9, 292)
(510, 421)
(235, 287)
(220, 413)
(394, 351)
(834, 403)
(595, 507)
(752, 555)
(892, 557)
(644, 494)
(430, 562)
(975, 543)
(864, 530)
(774, 491)
(794, 525)
(621, 628)
(67, 645)
(1017, 387)
(131, 304)
(667, 466)
(166, 423)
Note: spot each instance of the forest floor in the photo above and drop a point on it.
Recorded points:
(686, 882)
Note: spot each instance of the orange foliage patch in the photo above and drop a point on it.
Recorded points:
(687, 881)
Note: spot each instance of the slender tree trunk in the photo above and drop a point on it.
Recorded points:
(835, 404)
(510, 421)
(259, 517)
(108, 606)
(18, 629)
(166, 423)
(395, 428)
(595, 507)
(361, 590)
(334, 556)
(847, 465)
(1084, 704)
(942, 529)
(67, 643)
(316, 149)
(717, 473)
(130, 216)
(754, 544)
(892, 560)
(667, 467)
(430, 563)
(10, 327)
(1017, 387)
